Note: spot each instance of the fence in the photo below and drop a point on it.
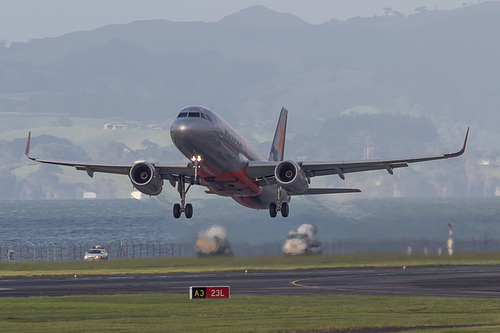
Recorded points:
(73, 251)
(76, 251)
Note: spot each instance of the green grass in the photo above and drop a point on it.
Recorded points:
(191, 264)
(241, 313)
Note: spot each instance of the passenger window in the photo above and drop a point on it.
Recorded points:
(182, 115)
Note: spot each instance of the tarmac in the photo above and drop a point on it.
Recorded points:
(445, 281)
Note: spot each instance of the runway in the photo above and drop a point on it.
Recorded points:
(448, 281)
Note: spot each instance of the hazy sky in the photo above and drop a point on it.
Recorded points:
(22, 20)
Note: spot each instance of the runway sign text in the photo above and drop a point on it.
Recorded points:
(209, 292)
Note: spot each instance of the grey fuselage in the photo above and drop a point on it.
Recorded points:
(198, 131)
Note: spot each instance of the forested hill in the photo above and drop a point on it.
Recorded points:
(442, 64)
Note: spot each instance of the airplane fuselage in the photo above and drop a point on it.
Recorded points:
(224, 154)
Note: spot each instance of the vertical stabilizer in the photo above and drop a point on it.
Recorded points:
(278, 147)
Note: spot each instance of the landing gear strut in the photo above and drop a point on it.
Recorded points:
(183, 207)
(187, 209)
(279, 206)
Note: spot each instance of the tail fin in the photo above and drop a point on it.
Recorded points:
(278, 147)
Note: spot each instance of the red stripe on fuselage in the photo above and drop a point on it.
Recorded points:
(229, 183)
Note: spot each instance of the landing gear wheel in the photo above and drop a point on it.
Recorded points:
(273, 209)
(285, 209)
(188, 211)
(177, 210)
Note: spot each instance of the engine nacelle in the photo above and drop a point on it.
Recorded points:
(291, 177)
(146, 178)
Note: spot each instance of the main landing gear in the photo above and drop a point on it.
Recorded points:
(284, 209)
(183, 207)
(279, 206)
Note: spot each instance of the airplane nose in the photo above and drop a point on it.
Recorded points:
(179, 129)
(183, 127)
(186, 132)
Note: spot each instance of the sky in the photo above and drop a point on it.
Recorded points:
(22, 20)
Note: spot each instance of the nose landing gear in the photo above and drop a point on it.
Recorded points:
(187, 209)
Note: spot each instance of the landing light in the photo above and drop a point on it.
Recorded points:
(196, 158)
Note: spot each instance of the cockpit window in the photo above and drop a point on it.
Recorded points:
(205, 116)
(195, 112)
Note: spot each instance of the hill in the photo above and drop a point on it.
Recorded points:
(392, 85)
(440, 61)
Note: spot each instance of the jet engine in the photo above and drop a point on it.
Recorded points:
(291, 177)
(146, 178)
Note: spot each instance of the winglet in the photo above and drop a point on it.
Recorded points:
(278, 147)
(465, 141)
(461, 151)
(27, 152)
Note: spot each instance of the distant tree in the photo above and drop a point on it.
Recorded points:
(41, 184)
(149, 144)
(105, 188)
(68, 152)
(115, 152)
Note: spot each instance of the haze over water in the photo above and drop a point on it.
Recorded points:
(362, 221)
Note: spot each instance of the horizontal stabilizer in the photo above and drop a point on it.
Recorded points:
(313, 191)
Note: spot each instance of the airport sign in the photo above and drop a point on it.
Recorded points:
(209, 292)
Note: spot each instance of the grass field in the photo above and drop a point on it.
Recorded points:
(242, 313)
(245, 313)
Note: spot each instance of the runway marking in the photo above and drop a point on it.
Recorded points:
(296, 283)
(343, 289)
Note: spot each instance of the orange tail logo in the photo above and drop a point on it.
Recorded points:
(278, 148)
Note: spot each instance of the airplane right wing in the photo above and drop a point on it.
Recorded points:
(313, 169)
(264, 172)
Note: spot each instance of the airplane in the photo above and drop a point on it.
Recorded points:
(227, 165)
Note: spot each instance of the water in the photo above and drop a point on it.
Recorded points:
(344, 225)
(99, 221)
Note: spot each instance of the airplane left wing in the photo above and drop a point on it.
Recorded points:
(169, 172)
(263, 172)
